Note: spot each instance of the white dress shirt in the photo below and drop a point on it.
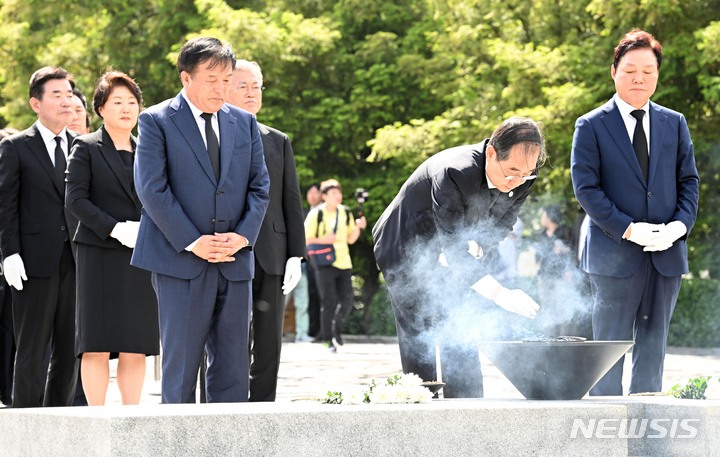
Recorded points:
(49, 140)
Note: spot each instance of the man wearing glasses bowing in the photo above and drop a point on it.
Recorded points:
(436, 246)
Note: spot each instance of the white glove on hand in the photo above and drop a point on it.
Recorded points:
(474, 249)
(15, 271)
(657, 247)
(673, 231)
(645, 234)
(668, 235)
(293, 272)
(442, 260)
(126, 233)
(515, 301)
(518, 302)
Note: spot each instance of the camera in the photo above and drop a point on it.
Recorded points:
(361, 195)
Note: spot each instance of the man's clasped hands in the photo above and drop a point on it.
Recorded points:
(655, 237)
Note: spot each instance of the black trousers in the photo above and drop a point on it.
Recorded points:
(460, 363)
(7, 343)
(336, 296)
(266, 328)
(79, 399)
(638, 307)
(44, 312)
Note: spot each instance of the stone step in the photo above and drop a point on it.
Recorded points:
(612, 426)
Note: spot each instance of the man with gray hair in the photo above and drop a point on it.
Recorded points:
(280, 246)
(443, 227)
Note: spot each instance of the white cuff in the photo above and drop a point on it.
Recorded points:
(191, 246)
(488, 287)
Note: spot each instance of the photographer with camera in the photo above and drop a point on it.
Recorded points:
(329, 230)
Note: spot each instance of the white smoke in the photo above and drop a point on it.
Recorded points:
(451, 312)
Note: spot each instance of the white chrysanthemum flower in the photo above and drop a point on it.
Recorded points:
(399, 394)
(713, 389)
(410, 380)
(399, 388)
(420, 395)
(382, 394)
(353, 397)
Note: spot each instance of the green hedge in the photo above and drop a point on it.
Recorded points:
(377, 319)
(696, 320)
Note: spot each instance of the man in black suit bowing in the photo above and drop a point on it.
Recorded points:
(35, 232)
(443, 227)
(280, 246)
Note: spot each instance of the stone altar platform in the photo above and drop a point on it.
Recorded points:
(613, 426)
(502, 424)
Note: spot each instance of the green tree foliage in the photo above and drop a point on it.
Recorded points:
(85, 38)
(368, 89)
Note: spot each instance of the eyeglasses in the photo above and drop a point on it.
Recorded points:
(512, 177)
(255, 88)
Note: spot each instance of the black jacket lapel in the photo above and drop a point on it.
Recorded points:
(110, 154)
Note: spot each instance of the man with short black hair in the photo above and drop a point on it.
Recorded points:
(202, 180)
(35, 239)
(633, 171)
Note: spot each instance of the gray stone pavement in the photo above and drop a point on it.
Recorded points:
(309, 370)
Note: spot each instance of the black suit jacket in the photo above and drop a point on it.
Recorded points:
(99, 191)
(33, 218)
(445, 203)
(282, 234)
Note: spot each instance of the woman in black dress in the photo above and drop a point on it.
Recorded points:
(116, 307)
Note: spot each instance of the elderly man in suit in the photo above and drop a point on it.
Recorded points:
(280, 245)
(35, 240)
(202, 180)
(634, 173)
(443, 228)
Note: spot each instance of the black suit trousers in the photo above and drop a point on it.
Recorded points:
(266, 330)
(44, 312)
(7, 343)
(460, 364)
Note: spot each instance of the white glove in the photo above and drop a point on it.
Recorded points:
(474, 249)
(657, 247)
(293, 272)
(518, 302)
(126, 232)
(515, 301)
(668, 235)
(15, 271)
(673, 231)
(645, 234)
(442, 260)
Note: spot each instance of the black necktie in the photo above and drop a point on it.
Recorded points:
(640, 142)
(213, 146)
(60, 163)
